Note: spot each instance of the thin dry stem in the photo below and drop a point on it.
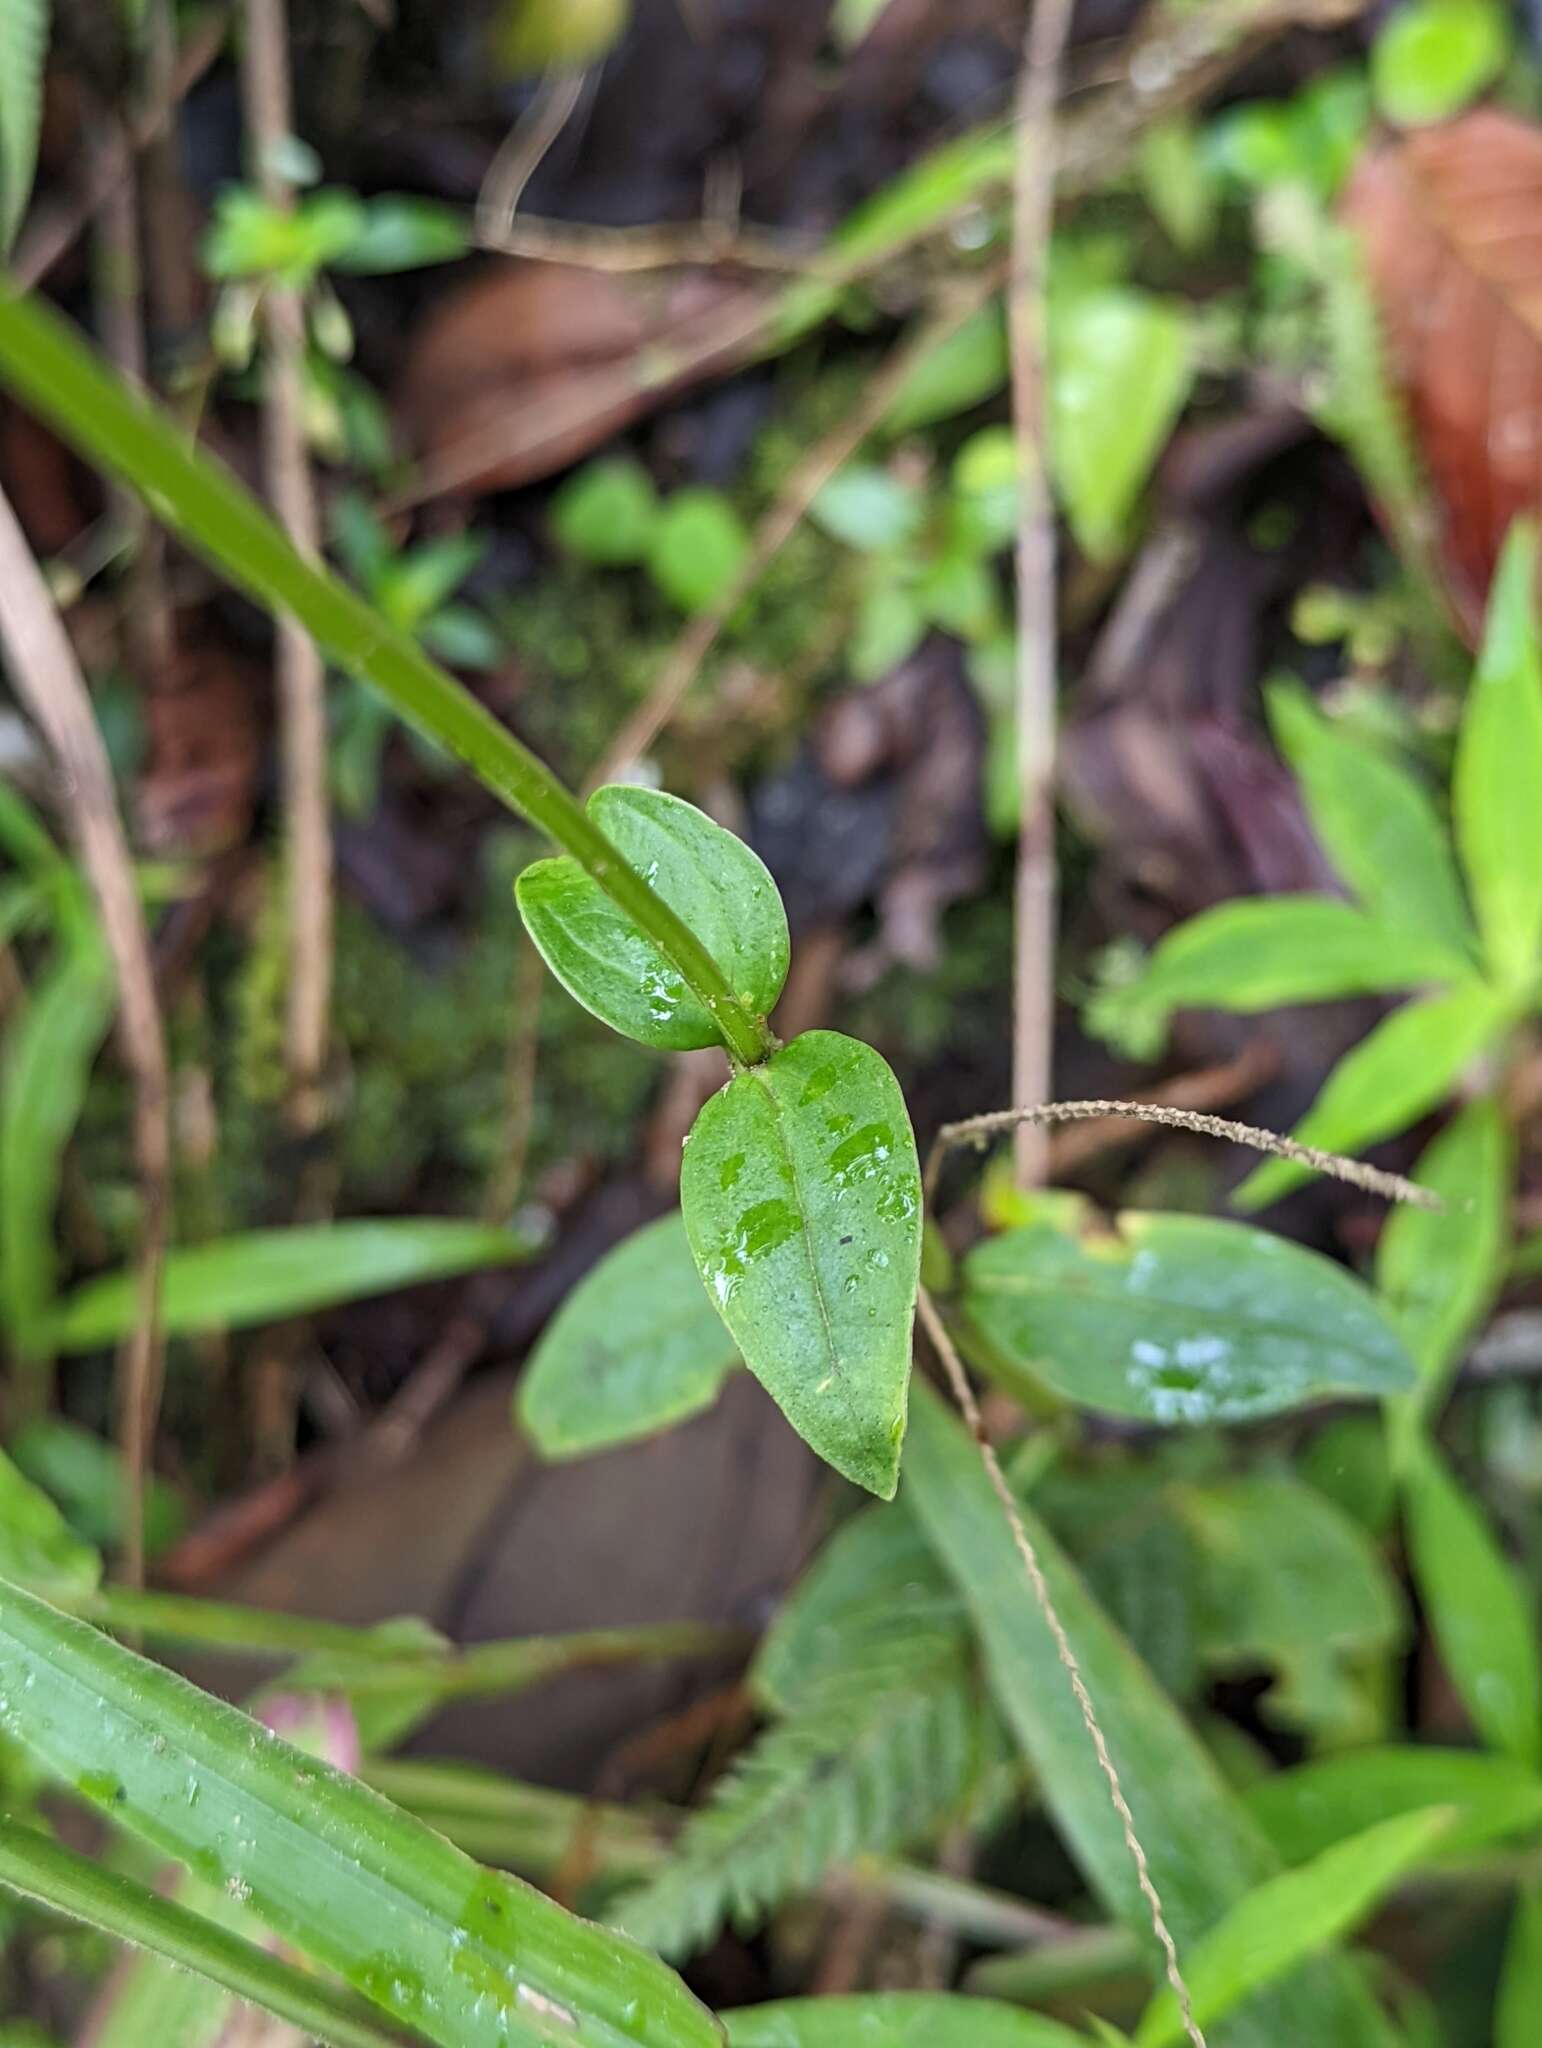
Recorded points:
(47, 678)
(803, 485)
(978, 1130)
(1034, 896)
(301, 673)
(963, 1393)
(520, 156)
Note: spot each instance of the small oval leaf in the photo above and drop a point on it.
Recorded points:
(801, 1194)
(710, 879)
(635, 1347)
(1180, 1319)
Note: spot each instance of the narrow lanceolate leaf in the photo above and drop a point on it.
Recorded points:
(38, 1548)
(1291, 1917)
(1497, 784)
(719, 888)
(801, 1194)
(1259, 952)
(23, 40)
(468, 1958)
(1407, 1065)
(1180, 1319)
(1481, 1619)
(1205, 1853)
(1518, 2009)
(1378, 825)
(48, 1057)
(1306, 1810)
(1438, 1269)
(264, 1275)
(45, 1870)
(635, 1347)
(894, 2019)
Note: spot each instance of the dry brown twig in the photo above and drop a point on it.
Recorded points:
(47, 679)
(266, 103)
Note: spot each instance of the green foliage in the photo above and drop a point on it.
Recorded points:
(461, 1955)
(1520, 1986)
(801, 1194)
(893, 2019)
(964, 370)
(1178, 182)
(635, 1347)
(1177, 1319)
(23, 41)
(607, 512)
(1290, 1917)
(710, 878)
(1310, 140)
(265, 1275)
(1434, 56)
(1306, 1810)
(250, 237)
(84, 1474)
(697, 548)
(37, 1546)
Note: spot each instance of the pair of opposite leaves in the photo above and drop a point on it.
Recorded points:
(800, 1189)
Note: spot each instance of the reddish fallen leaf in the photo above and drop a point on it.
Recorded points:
(197, 787)
(531, 365)
(1451, 221)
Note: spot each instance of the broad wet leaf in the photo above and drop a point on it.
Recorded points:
(713, 882)
(802, 1200)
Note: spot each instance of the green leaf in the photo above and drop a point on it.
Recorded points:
(1178, 182)
(985, 490)
(467, 1957)
(401, 232)
(894, 2019)
(1120, 370)
(44, 1870)
(1306, 1810)
(801, 1194)
(1204, 1852)
(889, 625)
(262, 1276)
(1378, 825)
(1519, 2004)
(606, 512)
(23, 42)
(1496, 791)
(1291, 1917)
(1180, 1319)
(635, 1347)
(959, 374)
(867, 507)
(49, 1051)
(1439, 1269)
(38, 1548)
(1408, 1064)
(1260, 951)
(1433, 57)
(711, 879)
(1478, 1613)
(698, 547)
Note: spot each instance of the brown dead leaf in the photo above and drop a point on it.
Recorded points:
(531, 365)
(1451, 221)
(197, 787)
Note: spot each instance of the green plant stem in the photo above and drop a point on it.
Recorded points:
(54, 1876)
(51, 370)
(1060, 1968)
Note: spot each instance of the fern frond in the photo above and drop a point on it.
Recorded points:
(23, 39)
(875, 1756)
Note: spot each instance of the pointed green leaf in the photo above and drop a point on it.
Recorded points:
(467, 1957)
(1261, 951)
(23, 41)
(801, 1194)
(1408, 1064)
(1434, 57)
(1480, 1617)
(1180, 1319)
(38, 1548)
(1121, 364)
(712, 880)
(1204, 1852)
(1306, 1810)
(1496, 790)
(1518, 2010)
(1437, 1270)
(636, 1347)
(233, 1283)
(1292, 1916)
(1378, 825)
(894, 2019)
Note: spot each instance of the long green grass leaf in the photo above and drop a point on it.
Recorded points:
(23, 40)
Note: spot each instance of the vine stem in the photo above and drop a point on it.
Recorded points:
(963, 1393)
(50, 368)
